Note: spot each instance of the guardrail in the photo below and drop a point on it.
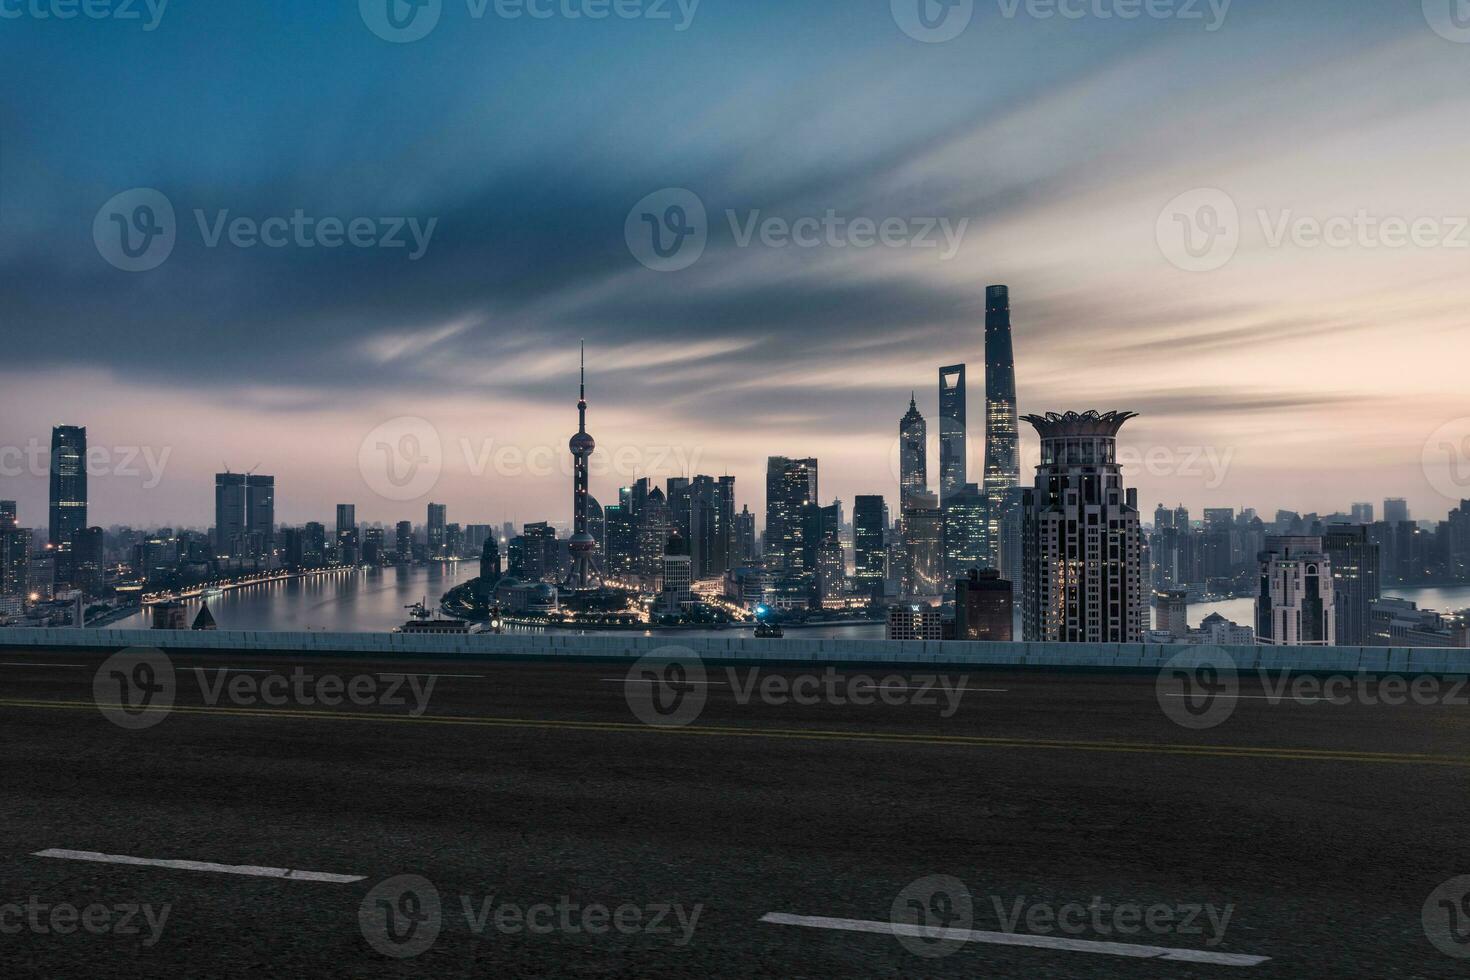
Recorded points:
(569, 646)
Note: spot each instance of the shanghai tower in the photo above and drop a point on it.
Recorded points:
(1002, 450)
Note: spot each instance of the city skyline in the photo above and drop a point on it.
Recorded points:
(751, 351)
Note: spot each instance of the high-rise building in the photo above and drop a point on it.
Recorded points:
(1362, 513)
(913, 453)
(870, 553)
(791, 485)
(403, 541)
(1002, 435)
(1171, 606)
(621, 533)
(952, 457)
(1084, 579)
(1296, 602)
(652, 515)
(15, 552)
(1355, 582)
(347, 538)
(923, 545)
(68, 494)
(746, 550)
(437, 528)
(984, 605)
(371, 548)
(966, 531)
(244, 514)
(711, 509)
(677, 576)
(831, 567)
(539, 555)
(1395, 510)
(490, 561)
(314, 544)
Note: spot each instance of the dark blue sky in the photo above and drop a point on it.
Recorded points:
(1054, 143)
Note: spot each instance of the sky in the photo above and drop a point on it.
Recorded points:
(1146, 178)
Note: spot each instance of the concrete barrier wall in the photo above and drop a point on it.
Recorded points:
(1103, 656)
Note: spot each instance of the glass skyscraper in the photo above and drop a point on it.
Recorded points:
(1002, 439)
(952, 456)
(68, 493)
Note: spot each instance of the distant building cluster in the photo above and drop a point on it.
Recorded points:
(1065, 559)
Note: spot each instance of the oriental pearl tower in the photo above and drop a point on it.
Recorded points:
(582, 545)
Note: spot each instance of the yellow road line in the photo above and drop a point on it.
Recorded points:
(974, 741)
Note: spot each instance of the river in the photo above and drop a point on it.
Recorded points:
(374, 600)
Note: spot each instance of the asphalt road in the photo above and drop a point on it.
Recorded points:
(1059, 825)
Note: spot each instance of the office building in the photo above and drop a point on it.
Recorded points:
(1295, 603)
(869, 523)
(914, 622)
(347, 538)
(244, 514)
(436, 529)
(1002, 435)
(68, 473)
(966, 530)
(1084, 580)
(913, 453)
(1395, 510)
(1401, 623)
(403, 541)
(791, 486)
(1171, 612)
(952, 456)
(923, 546)
(1362, 513)
(984, 607)
(1355, 581)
